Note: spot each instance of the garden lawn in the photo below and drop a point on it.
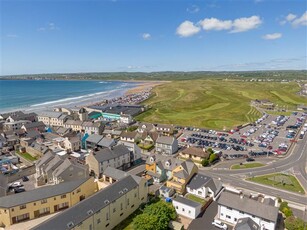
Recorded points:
(195, 198)
(281, 181)
(27, 156)
(246, 165)
(216, 104)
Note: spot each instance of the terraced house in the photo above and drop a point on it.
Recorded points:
(105, 209)
(43, 201)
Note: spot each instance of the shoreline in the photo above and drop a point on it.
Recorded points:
(96, 98)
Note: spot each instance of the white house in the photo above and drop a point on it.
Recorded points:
(262, 210)
(125, 118)
(186, 207)
(203, 186)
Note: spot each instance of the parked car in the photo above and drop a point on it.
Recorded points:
(15, 184)
(219, 224)
(19, 190)
(250, 159)
(25, 178)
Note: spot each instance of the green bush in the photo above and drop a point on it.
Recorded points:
(294, 223)
(287, 211)
(204, 162)
(213, 157)
(283, 205)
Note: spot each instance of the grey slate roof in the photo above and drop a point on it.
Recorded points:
(96, 202)
(161, 161)
(34, 125)
(45, 159)
(115, 173)
(248, 205)
(246, 224)
(106, 142)
(73, 122)
(111, 153)
(165, 140)
(199, 180)
(187, 202)
(94, 138)
(40, 193)
(51, 114)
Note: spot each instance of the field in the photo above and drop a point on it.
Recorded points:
(217, 104)
(281, 181)
(247, 165)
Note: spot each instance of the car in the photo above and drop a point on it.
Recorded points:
(219, 224)
(25, 178)
(250, 159)
(19, 190)
(15, 184)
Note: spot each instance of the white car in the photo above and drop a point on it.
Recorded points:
(15, 184)
(219, 224)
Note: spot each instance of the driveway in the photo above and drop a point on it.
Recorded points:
(205, 221)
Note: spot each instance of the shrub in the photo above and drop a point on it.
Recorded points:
(294, 223)
(204, 162)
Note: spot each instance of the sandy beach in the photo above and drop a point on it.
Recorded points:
(97, 98)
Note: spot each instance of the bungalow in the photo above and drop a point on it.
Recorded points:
(128, 136)
(203, 186)
(165, 129)
(166, 145)
(262, 210)
(186, 207)
(195, 154)
(145, 127)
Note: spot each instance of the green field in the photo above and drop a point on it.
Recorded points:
(217, 104)
(246, 165)
(27, 156)
(281, 181)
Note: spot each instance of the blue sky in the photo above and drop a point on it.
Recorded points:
(119, 35)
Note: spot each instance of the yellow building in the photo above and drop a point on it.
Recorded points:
(104, 210)
(181, 176)
(42, 201)
(195, 154)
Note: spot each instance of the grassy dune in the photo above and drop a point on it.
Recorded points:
(215, 103)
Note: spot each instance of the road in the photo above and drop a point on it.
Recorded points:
(294, 163)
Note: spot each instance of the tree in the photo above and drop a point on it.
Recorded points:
(283, 205)
(294, 223)
(163, 213)
(205, 162)
(209, 150)
(287, 211)
(212, 157)
(145, 222)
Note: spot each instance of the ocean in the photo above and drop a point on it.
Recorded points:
(34, 95)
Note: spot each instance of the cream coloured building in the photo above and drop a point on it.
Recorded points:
(43, 201)
(104, 210)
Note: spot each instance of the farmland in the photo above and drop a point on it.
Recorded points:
(217, 104)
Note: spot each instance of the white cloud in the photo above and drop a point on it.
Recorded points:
(301, 21)
(187, 29)
(290, 17)
(215, 24)
(193, 9)
(11, 36)
(41, 29)
(272, 36)
(49, 26)
(245, 24)
(146, 36)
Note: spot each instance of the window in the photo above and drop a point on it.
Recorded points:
(200, 193)
(23, 206)
(229, 208)
(63, 196)
(128, 201)
(228, 217)
(78, 190)
(121, 214)
(132, 206)
(235, 219)
(44, 201)
(121, 206)
(114, 210)
(183, 209)
(107, 216)
(12, 210)
(176, 207)
(241, 212)
(98, 221)
(189, 211)
(135, 195)
(34, 204)
(107, 225)
(54, 198)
